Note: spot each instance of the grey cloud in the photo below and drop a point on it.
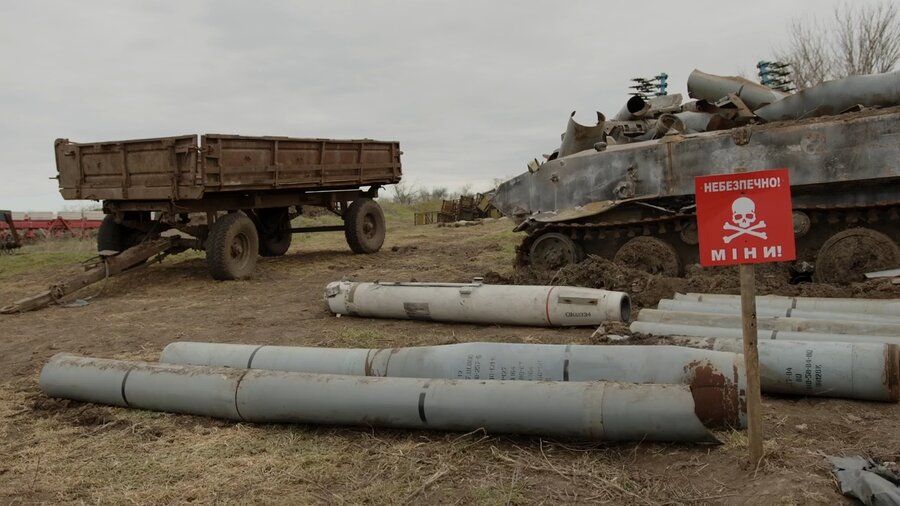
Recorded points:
(471, 89)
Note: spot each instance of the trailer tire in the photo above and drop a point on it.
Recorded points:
(232, 247)
(274, 231)
(364, 226)
(113, 236)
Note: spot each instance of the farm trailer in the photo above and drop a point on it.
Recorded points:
(248, 188)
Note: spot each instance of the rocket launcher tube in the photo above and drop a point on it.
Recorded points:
(580, 410)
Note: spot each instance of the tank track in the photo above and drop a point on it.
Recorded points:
(679, 230)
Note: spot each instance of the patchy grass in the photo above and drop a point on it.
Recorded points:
(45, 255)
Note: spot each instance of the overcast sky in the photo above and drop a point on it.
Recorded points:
(471, 89)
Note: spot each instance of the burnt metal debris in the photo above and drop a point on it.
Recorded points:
(630, 179)
(873, 483)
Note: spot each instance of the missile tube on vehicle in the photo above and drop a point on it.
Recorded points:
(835, 97)
(712, 88)
(580, 410)
(546, 306)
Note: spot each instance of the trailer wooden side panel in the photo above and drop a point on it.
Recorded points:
(262, 163)
(140, 169)
(178, 168)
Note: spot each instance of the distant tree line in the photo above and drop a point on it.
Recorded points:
(406, 194)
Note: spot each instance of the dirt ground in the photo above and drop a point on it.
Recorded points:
(62, 451)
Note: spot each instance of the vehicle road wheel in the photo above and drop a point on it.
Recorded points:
(114, 236)
(232, 247)
(274, 231)
(847, 256)
(553, 250)
(649, 254)
(364, 226)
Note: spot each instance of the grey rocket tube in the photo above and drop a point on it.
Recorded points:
(826, 369)
(734, 309)
(677, 329)
(772, 323)
(888, 307)
(580, 410)
(545, 306)
(701, 369)
(635, 108)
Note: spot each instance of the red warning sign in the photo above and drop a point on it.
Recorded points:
(745, 218)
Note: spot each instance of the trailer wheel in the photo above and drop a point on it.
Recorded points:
(848, 255)
(232, 247)
(649, 254)
(113, 236)
(553, 250)
(364, 226)
(274, 231)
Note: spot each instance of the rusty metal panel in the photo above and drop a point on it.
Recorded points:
(232, 162)
(161, 168)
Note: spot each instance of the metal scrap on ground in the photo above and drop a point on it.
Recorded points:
(871, 483)
(466, 208)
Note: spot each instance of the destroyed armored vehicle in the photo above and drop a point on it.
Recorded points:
(623, 189)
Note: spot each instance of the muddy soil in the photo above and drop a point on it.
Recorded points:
(647, 289)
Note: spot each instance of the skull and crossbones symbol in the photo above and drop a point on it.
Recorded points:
(743, 220)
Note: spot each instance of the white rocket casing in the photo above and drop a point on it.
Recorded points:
(546, 306)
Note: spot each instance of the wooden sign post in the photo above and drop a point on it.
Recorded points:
(745, 219)
(751, 362)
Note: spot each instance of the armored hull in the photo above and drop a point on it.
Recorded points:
(634, 202)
